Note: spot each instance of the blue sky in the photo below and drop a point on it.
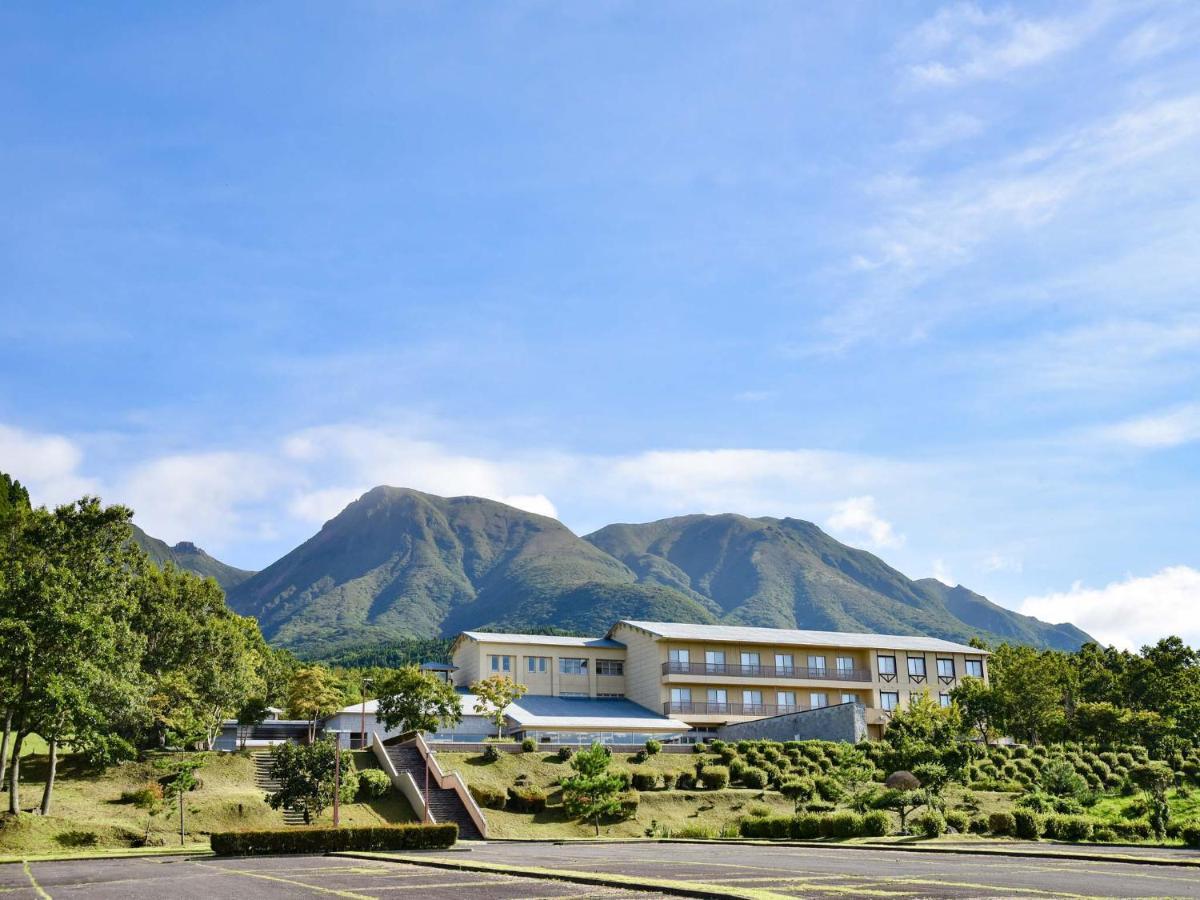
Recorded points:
(925, 275)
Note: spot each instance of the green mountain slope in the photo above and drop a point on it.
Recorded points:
(186, 555)
(786, 573)
(398, 563)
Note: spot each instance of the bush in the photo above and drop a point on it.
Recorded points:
(979, 825)
(1132, 831)
(1070, 828)
(147, 795)
(645, 780)
(1002, 823)
(327, 840)
(630, 800)
(1191, 834)
(373, 784)
(526, 799)
(489, 798)
(876, 823)
(564, 754)
(491, 753)
(685, 781)
(668, 781)
(765, 827)
(714, 778)
(696, 832)
(806, 826)
(653, 746)
(930, 823)
(528, 745)
(754, 778)
(957, 820)
(77, 839)
(842, 825)
(1028, 824)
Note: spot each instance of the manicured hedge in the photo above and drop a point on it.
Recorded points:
(325, 840)
(807, 826)
(526, 799)
(488, 797)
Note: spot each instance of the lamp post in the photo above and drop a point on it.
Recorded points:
(337, 777)
(428, 753)
(362, 725)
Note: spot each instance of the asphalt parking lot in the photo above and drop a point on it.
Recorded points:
(274, 877)
(832, 871)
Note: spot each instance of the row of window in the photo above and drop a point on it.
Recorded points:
(720, 696)
(783, 661)
(567, 665)
(945, 667)
(889, 700)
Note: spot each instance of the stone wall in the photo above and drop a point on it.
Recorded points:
(844, 722)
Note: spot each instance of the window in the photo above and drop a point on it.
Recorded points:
(569, 665)
(604, 696)
(889, 700)
(916, 666)
(718, 696)
(578, 695)
(610, 667)
(818, 700)
(751, 698)
(945, 668)
(944, 699)
(786, 699)
(849, 698)
(500, 663)
(681, 657)
(784, 662)
(750, 660)
(845, 664)
(714, 660)
(887, 665)
(816, 662)
(681, 695)
(538, 664)
(974, 668)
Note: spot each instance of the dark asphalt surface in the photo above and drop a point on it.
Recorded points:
(777, 871)
(152, 878)
(841, 872)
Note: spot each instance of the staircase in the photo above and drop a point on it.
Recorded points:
(444, 803)
(264, 781)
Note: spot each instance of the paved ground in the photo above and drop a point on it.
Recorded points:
(273, 877)
(833, 871)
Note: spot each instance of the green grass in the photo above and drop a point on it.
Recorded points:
(670, 810)
(1120, 809)
(88, 801)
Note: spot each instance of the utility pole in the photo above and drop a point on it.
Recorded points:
(426, 819)
(337, 777)
(362, 725)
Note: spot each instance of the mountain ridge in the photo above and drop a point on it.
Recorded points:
(187, 556)
(399, 563)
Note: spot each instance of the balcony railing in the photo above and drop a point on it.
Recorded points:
(739, 671)
(728, 709)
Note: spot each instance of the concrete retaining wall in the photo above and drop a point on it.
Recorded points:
(844, 722)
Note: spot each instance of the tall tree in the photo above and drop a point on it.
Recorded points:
(314, 694)
(593, 791)
(416, 700)
(494, 694)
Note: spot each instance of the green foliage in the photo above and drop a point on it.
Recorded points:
(875, 823)
(1191, 834)
(593, 792)
(1058, 777)
(390, 654)
(926, 734)
(491, 753)
(653, 747)
(488, 797)
(415, 700)
(528, 745)
(1003, 824)
(526, 799)
(314, 694)
(714, 778)
(1027, 824)
(373, 784)
(305, 773)
(930, 823)
(645, 780)
(958, 821)
(494, 694)
(332, 840)
(754, 778)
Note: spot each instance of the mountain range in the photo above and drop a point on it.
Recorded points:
(186, 555)
(397, 564)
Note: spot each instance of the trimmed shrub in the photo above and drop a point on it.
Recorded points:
(978, 825)
(626, 777)
(526, 799)
(737, 768)
(754, 778)
(876, 823)
(528, 745)
(930, 823)
(645, 780)
(668, 780)
(630, 800)
(147, 795)
(491, 753)
(373, 784)
(1191, 834)
(1002, 823)
(957, 820)
(696, 832)
(653, 746)
(487, 797)
(685, 781)
(564, 754)
(1028, 824)
(1069, 828)
(806, 826)
(640, 757)
(326, 840)
(714, 778)
(1103, 834)
(842, 825)
(765, 827)
(1132, 831)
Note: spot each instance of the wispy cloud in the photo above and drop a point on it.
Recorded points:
(48, 464)
(857, 517)
(1162, 430)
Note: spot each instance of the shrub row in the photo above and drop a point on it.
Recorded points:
(326, 840)
(807, 826)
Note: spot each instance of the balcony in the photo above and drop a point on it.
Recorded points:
(727, 709)
(731, 670)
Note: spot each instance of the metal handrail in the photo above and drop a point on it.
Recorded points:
(741, 671)
(701, 708)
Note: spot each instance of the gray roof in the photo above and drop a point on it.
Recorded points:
(740, 634)
(549, 639)
(599, 714)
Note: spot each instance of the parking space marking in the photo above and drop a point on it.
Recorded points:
(37, 888)
(349, 895)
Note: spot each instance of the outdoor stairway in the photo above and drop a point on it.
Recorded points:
(264, 781)
(444, 803)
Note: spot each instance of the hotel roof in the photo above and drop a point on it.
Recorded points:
(740, 634)
(547, 639)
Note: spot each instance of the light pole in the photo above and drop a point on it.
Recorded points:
(426, 819)
(362, 725)
(337, 777)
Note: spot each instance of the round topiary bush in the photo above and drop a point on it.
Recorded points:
(491, 753)
(1002, 824)
(931, 823)
(876, 823)
(714, 778)
(373, 784)
(488, 797)
(528, 745)
(754, 778)
(958, 821)
(653, 747)
(565, 754)
(1027, 824)
(645, 780)
(526, 799)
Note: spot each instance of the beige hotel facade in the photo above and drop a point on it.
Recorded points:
(707, 676)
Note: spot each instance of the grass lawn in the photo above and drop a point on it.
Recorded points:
(673, 810)
(1116, 809)
(88, 803)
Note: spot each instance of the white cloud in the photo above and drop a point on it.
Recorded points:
(858, 516)
(1129, 613)
(1160, 431)
(934, 134)
(47, 464)
(976, 44)
(1002, 562)
(535, 503)
(942, 573)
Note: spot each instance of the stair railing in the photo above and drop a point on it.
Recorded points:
(402, 781)
(455, 782)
